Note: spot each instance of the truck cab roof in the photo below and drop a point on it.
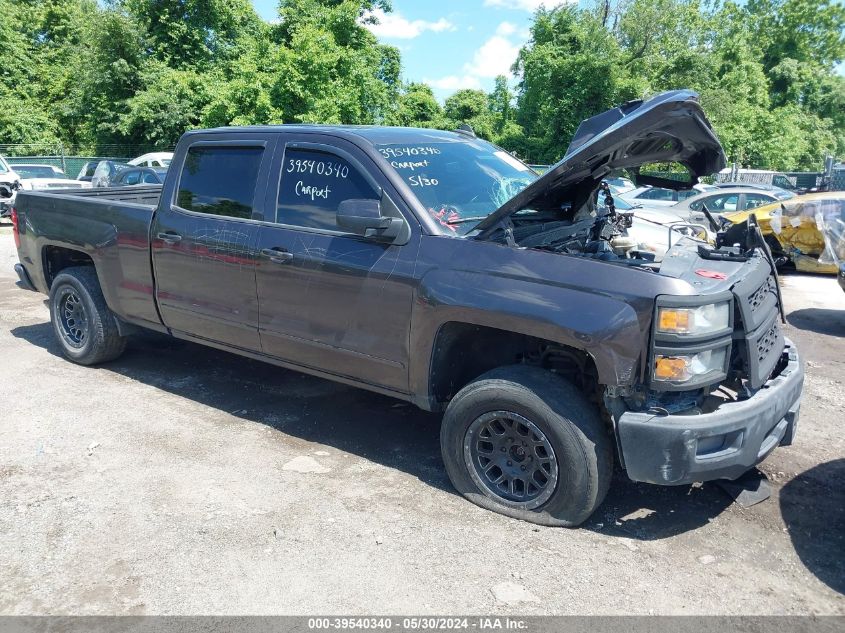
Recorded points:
(373, 134)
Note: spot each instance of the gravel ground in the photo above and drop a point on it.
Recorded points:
(183, 480)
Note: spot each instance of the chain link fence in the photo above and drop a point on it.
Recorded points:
(69, 158)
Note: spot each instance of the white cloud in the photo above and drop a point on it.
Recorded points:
(505, 29)
(395, 26)
(526, 5)
(495, 57)
(454, 82)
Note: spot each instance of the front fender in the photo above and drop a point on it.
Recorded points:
(605, 327)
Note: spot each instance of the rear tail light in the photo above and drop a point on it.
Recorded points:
(15, 230)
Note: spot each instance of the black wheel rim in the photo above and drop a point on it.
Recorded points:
(73, 320)
(511, 459)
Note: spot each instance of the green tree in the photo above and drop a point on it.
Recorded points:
(500, 103)
(107, 73)
(417, 107)
(764, 72)
(330, 68)
(473, 108)
(192, 34)
(571, 69)
(170, 102)
(811, 31)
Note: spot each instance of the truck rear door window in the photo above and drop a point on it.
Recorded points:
(313, 185)
(220, 180)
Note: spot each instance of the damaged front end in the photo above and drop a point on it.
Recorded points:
(558, 212)
(719, 386)
(723, 385)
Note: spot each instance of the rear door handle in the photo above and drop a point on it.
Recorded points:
(277, 255)
(170, 238)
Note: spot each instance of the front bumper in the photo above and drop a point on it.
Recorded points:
(681, 449)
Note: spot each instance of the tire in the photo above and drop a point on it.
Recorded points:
(82, 322)
(579, 473)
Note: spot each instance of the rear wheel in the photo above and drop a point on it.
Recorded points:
(523, 442)
(84, 326)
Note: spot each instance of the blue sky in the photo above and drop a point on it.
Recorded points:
(453, 44)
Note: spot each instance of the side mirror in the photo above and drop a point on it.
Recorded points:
(364, 218)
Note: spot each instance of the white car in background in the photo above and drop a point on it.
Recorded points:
(7, 173)
(656, 230)
(153, 159)
(9, 183)
(33, 177)
(620, 185)
(724, 200)
(660, 197)
(37, 176)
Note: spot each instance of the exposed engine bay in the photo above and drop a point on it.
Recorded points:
(595, 232)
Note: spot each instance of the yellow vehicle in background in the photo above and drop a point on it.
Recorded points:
(798, 229)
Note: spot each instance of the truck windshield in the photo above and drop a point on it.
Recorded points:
(459, 182)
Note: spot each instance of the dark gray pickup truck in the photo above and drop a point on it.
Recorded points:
(433, 267)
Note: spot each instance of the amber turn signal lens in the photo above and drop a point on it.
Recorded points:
(674, 320)
(670, 368)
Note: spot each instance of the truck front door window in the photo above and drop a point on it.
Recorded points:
(313, 185)
(220, 180)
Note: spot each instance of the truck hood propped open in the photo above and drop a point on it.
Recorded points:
(670, 127)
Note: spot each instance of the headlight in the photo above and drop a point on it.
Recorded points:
(707, 319)
(682, 368)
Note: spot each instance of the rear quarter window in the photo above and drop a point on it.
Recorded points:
(220, 180)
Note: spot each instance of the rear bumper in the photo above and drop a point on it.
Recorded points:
(25, 282)
(724, 444)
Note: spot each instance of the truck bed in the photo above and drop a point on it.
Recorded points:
(146, 194)
(111, 226)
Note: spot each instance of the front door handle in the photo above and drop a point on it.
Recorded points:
(170, 238)
(277, 255)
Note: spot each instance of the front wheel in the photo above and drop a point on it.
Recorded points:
(523, 442)
(82, 322)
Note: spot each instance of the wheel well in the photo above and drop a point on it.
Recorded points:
(463, 352)
(57, 258)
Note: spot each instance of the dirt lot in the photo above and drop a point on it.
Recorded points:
(182, 480)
